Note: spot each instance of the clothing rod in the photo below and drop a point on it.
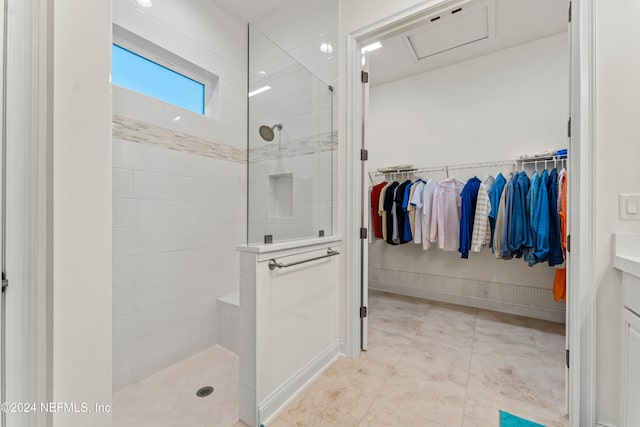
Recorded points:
(273, 264)
(446, 168)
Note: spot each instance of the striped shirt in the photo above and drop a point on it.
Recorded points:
(481, 230)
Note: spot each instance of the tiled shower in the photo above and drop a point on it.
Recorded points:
(180, 179)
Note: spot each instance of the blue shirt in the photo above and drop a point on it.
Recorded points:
(520, 237)
(532, 197)
(400, 218)
(507, 230)
(494, 197)
(541, 221)
(406, 233)
(469, 197)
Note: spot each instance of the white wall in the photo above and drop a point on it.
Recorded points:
(494, 107)
(618, 151)
(179, 201)
(81, 188)
(288, 333)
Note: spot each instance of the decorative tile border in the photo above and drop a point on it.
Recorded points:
(145, 133)
(327, 141)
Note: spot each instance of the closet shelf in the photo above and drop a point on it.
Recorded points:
(392, 172)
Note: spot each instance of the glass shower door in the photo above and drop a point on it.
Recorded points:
(291, 147)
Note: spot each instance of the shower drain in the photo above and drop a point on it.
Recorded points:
(204, 391)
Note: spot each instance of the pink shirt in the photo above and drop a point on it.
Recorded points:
(445, 224)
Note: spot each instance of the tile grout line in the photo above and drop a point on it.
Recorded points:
(466, 389)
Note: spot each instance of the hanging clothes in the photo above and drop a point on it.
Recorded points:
(481, 226)
(555, 240)
(406, 232)
(494, 199)
(389, 207)
(399, 211)
(560, 280)
(382, 212)
(415, 212)
(428, 212)
(505, 252)
(520, 236)
(445, 224)
(531, 201)
(376, 219)
(411, 210)
(469, 198)
(500, 218)
(541, 221)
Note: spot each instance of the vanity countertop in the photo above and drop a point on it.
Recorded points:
(626, 253)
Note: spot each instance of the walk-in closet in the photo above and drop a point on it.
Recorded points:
(468, 179)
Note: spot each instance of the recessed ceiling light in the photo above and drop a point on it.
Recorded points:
(371, 47)
(258, 91)
(262, 73)
(145, 3)
(326, 48)
(177, 118)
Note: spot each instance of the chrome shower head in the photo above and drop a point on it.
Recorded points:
(266, 132)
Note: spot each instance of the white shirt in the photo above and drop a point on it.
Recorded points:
(427, 211)
(416, 202)
(445, 224)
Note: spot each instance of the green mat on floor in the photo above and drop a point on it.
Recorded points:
(510, 420)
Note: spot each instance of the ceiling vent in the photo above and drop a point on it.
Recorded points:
(450, 29)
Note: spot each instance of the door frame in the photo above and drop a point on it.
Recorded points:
(582, 163)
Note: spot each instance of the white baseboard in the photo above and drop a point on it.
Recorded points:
(273, 404)
(342, 347)
(605, 425)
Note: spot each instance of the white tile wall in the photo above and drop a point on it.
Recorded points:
(312, 194)
(177, 218)
(205, 35)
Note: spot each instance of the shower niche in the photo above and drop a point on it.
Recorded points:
(281, 195)
(291, 147)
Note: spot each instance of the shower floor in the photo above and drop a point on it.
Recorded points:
(168, 398)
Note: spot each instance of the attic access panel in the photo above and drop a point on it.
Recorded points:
(451, 29)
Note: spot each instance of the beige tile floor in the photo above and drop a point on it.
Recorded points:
(436, 364)
(428, 364)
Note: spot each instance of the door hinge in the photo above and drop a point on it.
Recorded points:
(5, 282)
(364, 155)
(570, 7)
(363, 312)
(364, 77)
(363, 233)
(569, 128)
(568, 242)
(567, 352)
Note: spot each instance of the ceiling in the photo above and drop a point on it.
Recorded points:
(249, 10)
(444, 38)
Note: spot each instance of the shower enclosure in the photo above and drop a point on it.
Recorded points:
(291, 147)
